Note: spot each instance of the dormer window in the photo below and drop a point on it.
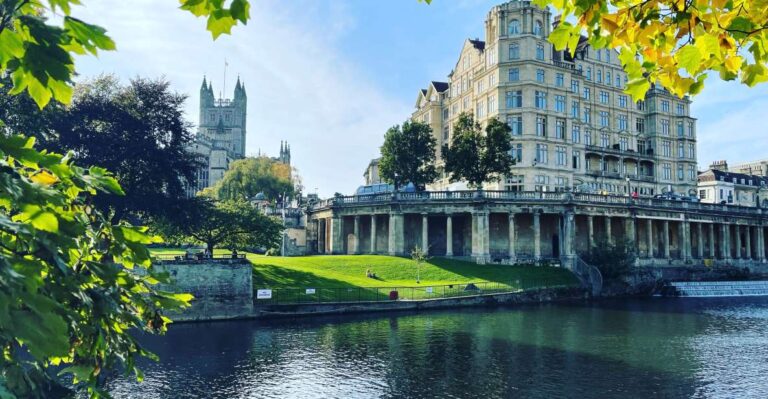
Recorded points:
(514, 27)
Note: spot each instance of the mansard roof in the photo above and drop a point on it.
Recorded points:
(720, 175)
(440, 86)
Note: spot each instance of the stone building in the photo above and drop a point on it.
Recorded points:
(755, 168)
(371, 174)
(221, 133)
(572, 124)
(719, 185)
(518, 227)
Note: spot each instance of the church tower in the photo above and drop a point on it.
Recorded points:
(221, 131)
(285, 153)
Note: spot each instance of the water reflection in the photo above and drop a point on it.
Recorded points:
(644, 348)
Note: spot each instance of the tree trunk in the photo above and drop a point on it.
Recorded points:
(209, 245)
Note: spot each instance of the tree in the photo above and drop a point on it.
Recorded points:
(137, 132)
(419, 256)
(247, 177)
(73, 287)
(408, 155)
(674, 43)
(475, 157)
(229, 224)
(71, 283)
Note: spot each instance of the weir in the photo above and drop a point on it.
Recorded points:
(716, 288)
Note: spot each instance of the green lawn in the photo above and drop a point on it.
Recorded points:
(344, 271)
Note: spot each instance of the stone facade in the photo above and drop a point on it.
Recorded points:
(222, 289)
(371, 174)
(572, 125)
(512, 227)
(220, 135)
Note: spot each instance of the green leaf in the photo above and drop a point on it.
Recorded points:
(45, 221)
(220, 22)
(91, 37)
(637, 88)
(11, 46)
(689, 57)
(44, 335)
(240, 10)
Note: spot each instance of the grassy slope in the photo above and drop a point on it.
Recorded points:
(350, 271)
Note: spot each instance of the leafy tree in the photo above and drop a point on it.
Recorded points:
(136, 131)
(408, 155)
(614, 259)
(38, 54)
(247, 177)
(477, 157)
(71, 283)
(229, 224)
(674, 43)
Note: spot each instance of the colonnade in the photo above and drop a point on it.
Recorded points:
(487, 235)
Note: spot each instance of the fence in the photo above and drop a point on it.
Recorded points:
(292, 296)
(198, 257)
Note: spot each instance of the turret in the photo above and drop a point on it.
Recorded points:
(206, 94)
(240, 91)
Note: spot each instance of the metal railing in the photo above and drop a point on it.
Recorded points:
(293, 296)
(198, 257)
(535, 196)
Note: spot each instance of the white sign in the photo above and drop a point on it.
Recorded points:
(429, 290)
(310, 291)
(264, 294)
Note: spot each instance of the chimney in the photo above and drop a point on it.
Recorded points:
(719, 165)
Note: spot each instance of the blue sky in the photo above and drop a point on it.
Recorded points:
(330, 76)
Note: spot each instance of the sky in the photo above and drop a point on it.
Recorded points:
(331, 76)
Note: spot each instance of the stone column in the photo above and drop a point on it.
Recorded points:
(748, 243)
(569, 231)
(591, 225)
(712, 254)
(337, 235)
(373, 233)
(396, 239)
(684, 237)
(761, 243)
(726, 244)
(449, 235)
(649, 236)
(536, 235)
(737, 231)
(356, 244)
(608, 235)
(665, 239)
(512, 235)
(700, 238)
(480, 232)
(425, 233)
(630, 231)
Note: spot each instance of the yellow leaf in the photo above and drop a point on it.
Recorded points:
(732, 64)
(44, 178)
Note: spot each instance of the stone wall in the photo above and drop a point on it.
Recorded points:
(223, 289)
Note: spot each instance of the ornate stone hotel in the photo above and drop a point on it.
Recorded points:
(573, 126)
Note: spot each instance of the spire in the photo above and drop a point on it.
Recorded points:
(205, 84)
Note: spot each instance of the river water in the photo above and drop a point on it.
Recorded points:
(649, 348)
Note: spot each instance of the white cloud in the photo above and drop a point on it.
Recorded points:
(300, 87)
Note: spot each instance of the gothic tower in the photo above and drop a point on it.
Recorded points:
(221, 131)
(285, 153)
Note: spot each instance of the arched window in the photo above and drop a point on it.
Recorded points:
(599, 76)
(589, 73)
(538, 29)
(514, 27)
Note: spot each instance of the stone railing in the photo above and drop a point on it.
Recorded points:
(532, 196)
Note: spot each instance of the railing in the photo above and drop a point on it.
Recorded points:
(293, 296)
(198, 257)
(538, 196)
(567, 65)
(619, 152)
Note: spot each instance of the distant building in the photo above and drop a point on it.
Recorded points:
(372, 173)
(572, 124)
(720, 186)
(221, 133)
(756, 168)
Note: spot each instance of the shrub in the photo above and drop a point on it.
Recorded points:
(614, 259)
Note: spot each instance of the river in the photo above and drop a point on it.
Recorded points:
(646, 348)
